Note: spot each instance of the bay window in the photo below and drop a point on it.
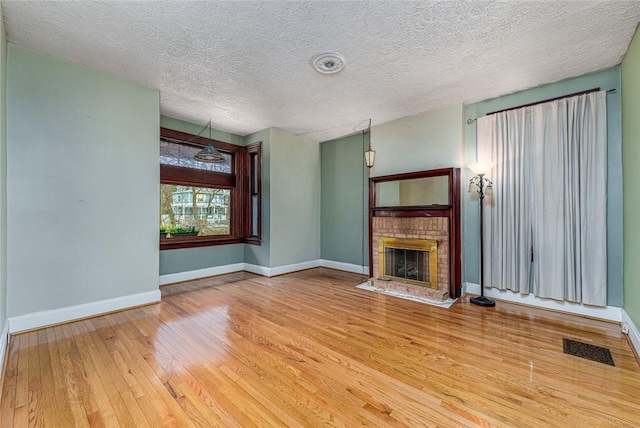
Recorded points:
(204, 203)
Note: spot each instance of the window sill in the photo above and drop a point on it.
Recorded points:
(177, 243)
(252, 241)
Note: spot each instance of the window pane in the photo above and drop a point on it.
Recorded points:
(254, 173)
(194, 211)
(254, 215)
(183, 155)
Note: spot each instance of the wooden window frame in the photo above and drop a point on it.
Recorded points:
(254, 149)
(237, 182)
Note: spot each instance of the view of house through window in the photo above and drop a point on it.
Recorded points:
(194, 211)
(204, 202)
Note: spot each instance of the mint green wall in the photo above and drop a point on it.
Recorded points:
(183, 260)
(631, 160)
(192, 128)
(295, 199)
(3, 175)
(421, 142)
(82, 184)
(343, 179)
(186, 259)
(607, 79)
(260, 254)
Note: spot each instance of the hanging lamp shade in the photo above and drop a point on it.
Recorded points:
(209, 154)
(369, 154)
(369, 157)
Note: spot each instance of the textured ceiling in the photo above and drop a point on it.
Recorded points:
(246, 66)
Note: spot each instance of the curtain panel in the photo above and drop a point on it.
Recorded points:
(547, 219)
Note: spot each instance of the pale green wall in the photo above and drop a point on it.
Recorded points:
(343, 181)
(82, 184)
(195, 129)
(416, 143)
(607, 79)
(3, 175)
(186, 259)
(295, 199)
(631, 160)
(260, 254)
(426, 141)
(183, 260)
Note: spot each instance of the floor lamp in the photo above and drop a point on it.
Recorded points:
(483, 186)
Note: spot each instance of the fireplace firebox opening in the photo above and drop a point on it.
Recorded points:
(412, 261)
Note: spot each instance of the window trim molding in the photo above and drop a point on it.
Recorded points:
(253, 148)
(238, 182)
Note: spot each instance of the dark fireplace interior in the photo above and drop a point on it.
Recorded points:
(407, 264)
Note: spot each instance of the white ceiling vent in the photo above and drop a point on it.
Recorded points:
(327, 63)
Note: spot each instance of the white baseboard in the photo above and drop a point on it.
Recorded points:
(347, 267)
(4, 343)
(259, 270)
(281, 270)
(71, 313)
(170, 278)
(609, 313)
(634, 334)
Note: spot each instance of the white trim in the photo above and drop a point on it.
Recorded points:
(634, 335)
(85, 310)
(170, 278)
(260, 270)
(609, 313)
(280, 270)
(4, 342)
(347, 267)
(257, 269)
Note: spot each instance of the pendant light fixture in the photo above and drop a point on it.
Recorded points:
(369, 154)
(209, 153)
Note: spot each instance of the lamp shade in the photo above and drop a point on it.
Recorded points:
(481, 168)
(210, 154)
(489, 190)
(369, 158)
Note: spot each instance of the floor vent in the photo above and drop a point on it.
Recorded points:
(585, 350)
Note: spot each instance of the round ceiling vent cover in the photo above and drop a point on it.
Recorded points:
(327, 63)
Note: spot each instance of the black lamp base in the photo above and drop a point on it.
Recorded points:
(482, 301)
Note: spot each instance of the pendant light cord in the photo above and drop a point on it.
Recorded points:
(364, 147)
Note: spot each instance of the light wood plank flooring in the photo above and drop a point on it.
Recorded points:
(308, 349)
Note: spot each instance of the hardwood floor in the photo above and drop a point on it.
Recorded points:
(308, 349)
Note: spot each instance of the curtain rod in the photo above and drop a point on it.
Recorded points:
(588, 91)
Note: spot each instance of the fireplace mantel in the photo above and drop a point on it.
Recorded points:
(449, 211)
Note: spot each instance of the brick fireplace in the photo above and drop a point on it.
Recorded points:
(414, 219)
(407, 229)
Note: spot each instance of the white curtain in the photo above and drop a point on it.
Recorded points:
(504, 140)
(550, 185)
